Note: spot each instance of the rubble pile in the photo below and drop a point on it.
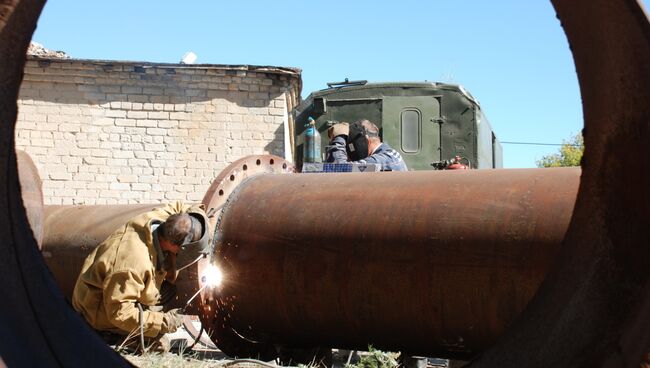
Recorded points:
(36, 49)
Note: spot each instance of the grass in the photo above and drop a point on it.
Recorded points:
(170, 360)
(375, 359)
(372, 359)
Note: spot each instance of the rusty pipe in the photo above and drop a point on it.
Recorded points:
(432, 263)
(508, 236)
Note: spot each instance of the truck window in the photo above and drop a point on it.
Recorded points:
(410, 127)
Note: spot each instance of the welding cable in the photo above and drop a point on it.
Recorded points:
(191, 263)
(253, 361)
(350, 357)
(197, 337)
(141, 318)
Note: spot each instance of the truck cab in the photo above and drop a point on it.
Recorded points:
(425, 122)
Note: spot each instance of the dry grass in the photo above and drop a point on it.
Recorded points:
(371, 359)
(172, 360)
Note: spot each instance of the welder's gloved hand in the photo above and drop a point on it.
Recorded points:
(338, 129)
(172, 320)
(167, 292)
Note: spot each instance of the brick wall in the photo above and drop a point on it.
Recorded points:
(120, 132)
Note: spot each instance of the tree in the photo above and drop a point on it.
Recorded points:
(570, 154)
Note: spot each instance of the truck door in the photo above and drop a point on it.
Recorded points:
(411, 126)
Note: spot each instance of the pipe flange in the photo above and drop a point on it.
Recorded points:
(234, 174)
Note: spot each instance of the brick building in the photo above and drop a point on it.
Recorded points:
(108, 132)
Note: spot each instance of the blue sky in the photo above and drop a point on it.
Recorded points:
(512, 55)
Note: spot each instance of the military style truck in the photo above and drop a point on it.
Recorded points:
(428, 123)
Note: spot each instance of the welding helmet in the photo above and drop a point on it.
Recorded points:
(197, 241)
(357, 144)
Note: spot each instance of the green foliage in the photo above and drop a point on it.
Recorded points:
(375, 359)
(570, 154)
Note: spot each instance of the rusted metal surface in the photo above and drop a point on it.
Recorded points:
(32, 193)
(485, 228)
(236, 173)
(433, 263)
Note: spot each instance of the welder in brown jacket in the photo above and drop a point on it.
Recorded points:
(129, 267)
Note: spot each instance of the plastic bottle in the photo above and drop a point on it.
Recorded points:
(311, 151)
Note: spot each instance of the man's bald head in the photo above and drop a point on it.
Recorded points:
(371, 130)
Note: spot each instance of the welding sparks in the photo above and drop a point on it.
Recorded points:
(212, 276)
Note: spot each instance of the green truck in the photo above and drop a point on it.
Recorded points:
(428, 123)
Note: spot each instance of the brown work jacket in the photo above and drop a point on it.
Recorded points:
(121, 272)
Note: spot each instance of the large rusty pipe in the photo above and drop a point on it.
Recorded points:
(476, 245)
(434, 263)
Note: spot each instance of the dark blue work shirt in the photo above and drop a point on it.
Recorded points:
(384, 155)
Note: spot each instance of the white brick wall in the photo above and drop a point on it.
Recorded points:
(112, 133)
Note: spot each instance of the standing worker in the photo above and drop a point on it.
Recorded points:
(122, 279)
(360, 143)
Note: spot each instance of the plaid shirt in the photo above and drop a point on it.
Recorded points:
(384, 155)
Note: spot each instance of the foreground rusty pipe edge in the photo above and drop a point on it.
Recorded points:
(592, 310)
(37, 327)
(433, 263)
(594, 307)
